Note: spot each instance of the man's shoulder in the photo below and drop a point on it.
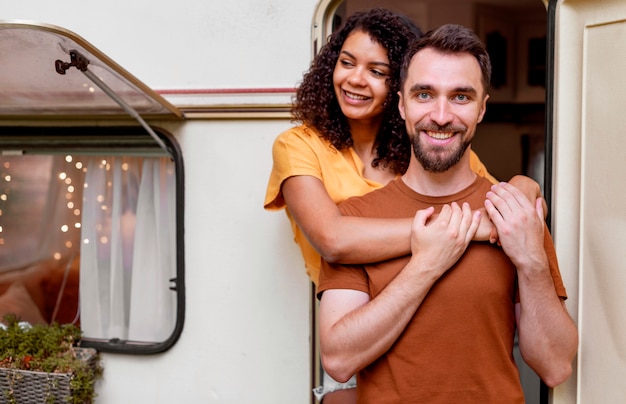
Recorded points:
(482, 183)
(474, 194)
(369, 204)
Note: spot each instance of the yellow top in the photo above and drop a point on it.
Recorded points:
(301, 151)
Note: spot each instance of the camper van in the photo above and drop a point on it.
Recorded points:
(135, 148)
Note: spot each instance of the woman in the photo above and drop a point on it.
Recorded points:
(351, 141)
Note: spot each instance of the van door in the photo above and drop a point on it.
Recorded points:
(586, 124)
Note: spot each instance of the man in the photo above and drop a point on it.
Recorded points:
(438, 326)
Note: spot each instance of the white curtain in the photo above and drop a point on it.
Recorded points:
(40, 200)
(128, 250)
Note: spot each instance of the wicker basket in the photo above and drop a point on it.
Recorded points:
(27, 387)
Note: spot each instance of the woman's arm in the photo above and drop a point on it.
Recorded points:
(530, 188)
(352, 240)
(338, 238)
(347, 239)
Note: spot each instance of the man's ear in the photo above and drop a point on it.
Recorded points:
(401, 105)
(483, 108)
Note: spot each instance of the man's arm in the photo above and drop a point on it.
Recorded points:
(354, 330)
(547, 334)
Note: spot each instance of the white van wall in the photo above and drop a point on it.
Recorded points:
(246, 337)
(189, 44)
(246, 334)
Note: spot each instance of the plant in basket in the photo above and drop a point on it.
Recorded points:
(43, 364)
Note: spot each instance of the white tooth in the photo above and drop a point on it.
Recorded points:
(355, 96)
(439, 135)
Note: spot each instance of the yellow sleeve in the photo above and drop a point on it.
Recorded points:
(479, 168)
(292, 154)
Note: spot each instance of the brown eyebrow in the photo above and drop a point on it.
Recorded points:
(418, 87)
(466, 90)
(459, 90)
(373, 63)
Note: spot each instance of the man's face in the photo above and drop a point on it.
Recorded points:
(442, 101)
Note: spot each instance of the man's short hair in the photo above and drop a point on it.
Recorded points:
(450, 39)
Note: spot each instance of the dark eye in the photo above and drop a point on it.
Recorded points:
(346, 63)
(378, 73)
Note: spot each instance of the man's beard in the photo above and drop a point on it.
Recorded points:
(439, 159)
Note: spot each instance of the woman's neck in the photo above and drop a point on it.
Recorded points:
(364, 136)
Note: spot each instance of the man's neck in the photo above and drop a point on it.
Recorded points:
(449, 182)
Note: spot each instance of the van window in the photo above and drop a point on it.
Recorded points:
(90, 234)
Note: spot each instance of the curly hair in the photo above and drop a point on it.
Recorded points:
(315, 102)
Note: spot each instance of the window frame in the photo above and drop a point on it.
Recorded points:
(57, 139)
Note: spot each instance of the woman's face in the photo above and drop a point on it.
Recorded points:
(360, 77)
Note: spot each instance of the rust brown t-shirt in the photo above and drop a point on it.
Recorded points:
(459, 345)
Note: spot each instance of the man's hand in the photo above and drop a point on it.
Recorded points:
(530, 188)
(520, 224)
(438, 243)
